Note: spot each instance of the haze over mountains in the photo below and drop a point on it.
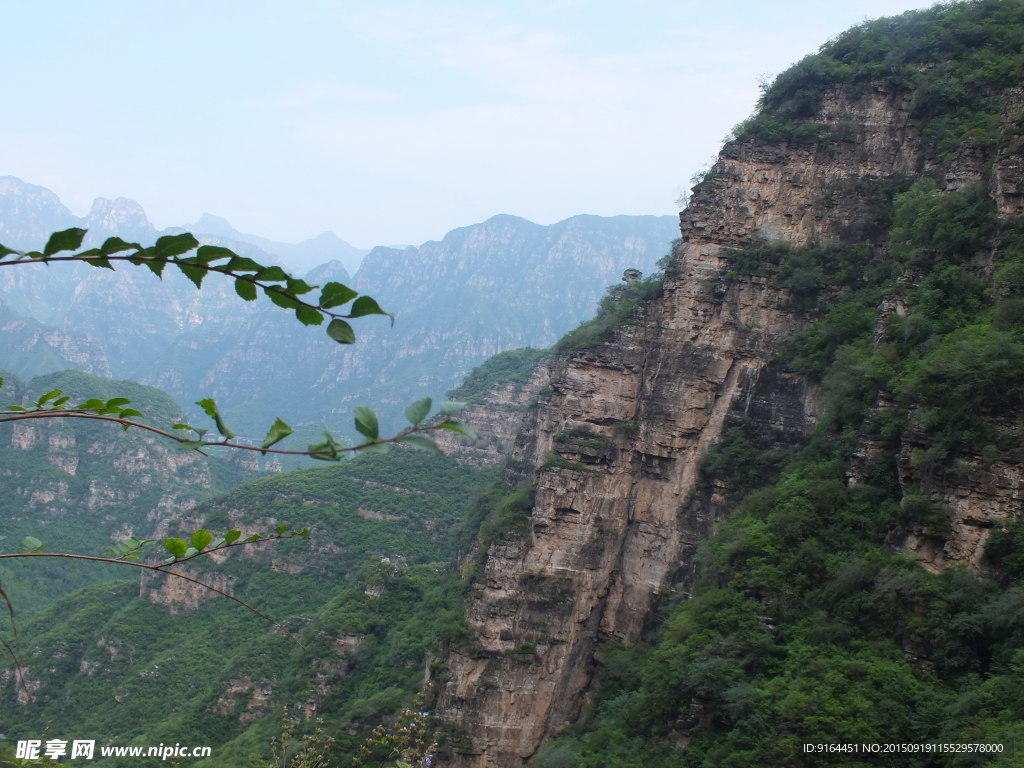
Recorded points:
(497, 285)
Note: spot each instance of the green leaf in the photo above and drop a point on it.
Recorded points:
(210, 407)
(243, 264)
(232, 536)
(99, 261)
(154, 266)
(451, 408)
(246, 289)
(129, 413)
(210, 253)
(298, 287)
(192, 272)
(303, 532)
(341, 332)
(418, 411)
(117, 402)
(335, 294)
(374, 448)
(67, 240)
(254, 537)
(308, 315)
(277, 432)
(272, 275)
(31, 543)
(60, 401)
(5, 251)
(328, 450)
(281, 529)
(366, 422)
(47, 396)
(281, 297)
(170, 246)
(421, 442)
(454, 426)
(92, 404)
(177, 547)
(363, 306)
(201, 539)
(117, 245)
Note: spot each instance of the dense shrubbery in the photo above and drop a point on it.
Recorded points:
(384, 541)
(808, 625)
(619, 307)
(511, 367)
(957, 59)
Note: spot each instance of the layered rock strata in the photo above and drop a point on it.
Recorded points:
(619, 506)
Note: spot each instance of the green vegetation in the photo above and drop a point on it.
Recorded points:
(584, 436)
(808, 625)
(957, 60)
(620, 306)
(511, 367)
(554, 460)
(67, 476)
(502, 513)
(372, 595)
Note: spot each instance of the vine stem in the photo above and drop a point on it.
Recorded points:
(162, 568)
(135, 259)
(6, 416)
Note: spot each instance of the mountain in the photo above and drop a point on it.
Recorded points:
(765, 505)
(78, 485)
(501, 284)
(29, 213)
(358, 606)
(298, 257)
(775, 497)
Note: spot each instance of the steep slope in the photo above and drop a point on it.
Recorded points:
(814, 283)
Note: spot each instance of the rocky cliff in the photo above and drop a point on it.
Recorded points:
(616, 444)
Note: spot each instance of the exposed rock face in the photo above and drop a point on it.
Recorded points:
(496, 419)
(618, 512)
(978, 496)
(178, 595)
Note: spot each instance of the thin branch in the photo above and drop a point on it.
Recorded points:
(13, 653)
(13, 649)
(162, 568)
(60, 413)
(135, 259)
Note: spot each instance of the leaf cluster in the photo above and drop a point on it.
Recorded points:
(249, 276)
(956, 59)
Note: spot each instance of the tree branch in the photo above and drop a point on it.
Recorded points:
(162, 568)
(70, 413)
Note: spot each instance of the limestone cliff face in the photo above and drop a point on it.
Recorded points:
(619, 438)
(496, 419)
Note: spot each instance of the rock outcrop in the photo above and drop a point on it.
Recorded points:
(617, 441)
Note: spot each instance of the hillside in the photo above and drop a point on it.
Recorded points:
(768, 497)
(777, 496)
(371, 595)
(77, 485)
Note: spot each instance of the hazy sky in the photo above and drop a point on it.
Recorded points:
(384, 120)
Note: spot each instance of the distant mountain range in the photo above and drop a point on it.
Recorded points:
(501, 284)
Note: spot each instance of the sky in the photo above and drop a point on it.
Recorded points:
(389, 121)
